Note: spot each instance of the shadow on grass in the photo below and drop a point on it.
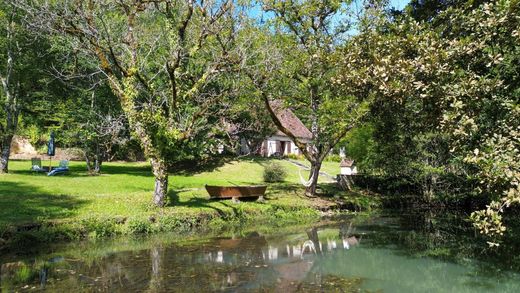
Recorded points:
(25, 204)
(262, 161)
(285, 188)
(189, 168)
(327, 190)
(79, 169)
(144, 170)
(73, 172)
(196, 203)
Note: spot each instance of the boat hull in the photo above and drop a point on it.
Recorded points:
(235, 191)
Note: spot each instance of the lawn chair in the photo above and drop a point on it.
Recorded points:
(36, 165)
(62, 169)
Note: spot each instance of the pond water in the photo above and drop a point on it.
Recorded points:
(410, 253)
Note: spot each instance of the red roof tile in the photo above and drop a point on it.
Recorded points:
(346, 163)
(290, 121)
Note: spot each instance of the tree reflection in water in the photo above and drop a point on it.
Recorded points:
(220, 264)
(373, 254)
(156, 257)
(291, 263)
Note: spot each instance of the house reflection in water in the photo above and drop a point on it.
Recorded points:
(272, 252)
(288, 262)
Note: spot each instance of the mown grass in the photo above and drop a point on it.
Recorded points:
(125, 188)
(119, 200)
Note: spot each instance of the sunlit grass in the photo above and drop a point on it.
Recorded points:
(125, 189)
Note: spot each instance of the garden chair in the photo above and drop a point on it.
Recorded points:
(62, 169)
(36, 165)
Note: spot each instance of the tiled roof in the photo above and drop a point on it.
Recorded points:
(290, 121)
(346, 163)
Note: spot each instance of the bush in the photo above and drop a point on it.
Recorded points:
(274, 172)
(139, 225)
(333, 158)
(170, 223)
(99, 227)
(295, 157)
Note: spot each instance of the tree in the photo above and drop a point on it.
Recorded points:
(404, 63)
(98, 126)
(300, 51)
(87, 113)
(247, 123)
(447, 103)
(23, 56)
(483, 103)
(164, 60)
(428, 10)
(9, 96)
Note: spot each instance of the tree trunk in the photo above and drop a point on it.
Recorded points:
(94, 160)
(93, 164)
(314, 174)
(429, 187)
(89, 164)
(97, 164)
(160, 171)
(4, 156)
(98, 160)
(11, 105)
(12, 112)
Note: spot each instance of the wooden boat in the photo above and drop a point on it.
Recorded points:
(236, 192)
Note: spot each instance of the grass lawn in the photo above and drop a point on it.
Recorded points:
(331, 168)
(125, 189)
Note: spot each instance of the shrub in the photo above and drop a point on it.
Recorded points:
(295, 157)
(169, 223)
(333, 158)
(139, 225)
(99, 227)
(274, 172)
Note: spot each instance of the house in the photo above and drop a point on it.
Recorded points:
(279, 143)
(348, 167)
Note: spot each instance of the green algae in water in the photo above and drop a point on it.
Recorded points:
(331, 284)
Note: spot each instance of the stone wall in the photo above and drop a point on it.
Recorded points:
(22, 149)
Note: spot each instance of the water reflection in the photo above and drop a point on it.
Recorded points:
(225, 250)
(371, 255)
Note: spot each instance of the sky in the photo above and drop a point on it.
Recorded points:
(256, 11)
(399, 4)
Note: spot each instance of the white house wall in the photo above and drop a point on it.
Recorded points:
(295, 149)
(271, 147)
(348, 170)
(290, 147)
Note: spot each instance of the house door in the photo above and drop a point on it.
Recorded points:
(280, 147)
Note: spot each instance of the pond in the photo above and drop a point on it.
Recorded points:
(383, 253)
